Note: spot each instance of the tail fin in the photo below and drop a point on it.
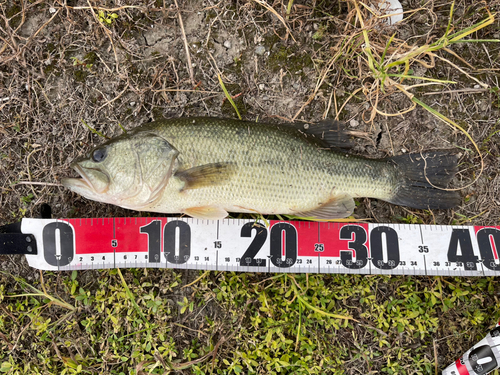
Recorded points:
(436, 167)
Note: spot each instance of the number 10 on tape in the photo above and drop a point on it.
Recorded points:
(254, 246)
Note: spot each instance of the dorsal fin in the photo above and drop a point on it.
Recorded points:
(329, 132)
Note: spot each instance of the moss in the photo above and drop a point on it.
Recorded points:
(211, 15)
(157, 113)
(51, 47)
(270, 40)
(80, 75)
(90, 58)
(330, 8)
(11, 12)
(290, 58)
(49, 69)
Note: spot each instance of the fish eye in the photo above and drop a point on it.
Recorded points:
(99, 154)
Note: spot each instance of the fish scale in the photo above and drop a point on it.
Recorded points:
(275, 173)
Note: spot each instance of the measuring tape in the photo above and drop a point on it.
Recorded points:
(255, 246)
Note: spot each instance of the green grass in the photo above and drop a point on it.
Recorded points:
(228, 323)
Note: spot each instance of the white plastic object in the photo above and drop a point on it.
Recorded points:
(393, 8)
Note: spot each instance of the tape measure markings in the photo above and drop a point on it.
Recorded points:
(247, 245)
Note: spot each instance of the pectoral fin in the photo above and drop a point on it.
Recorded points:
(339, 206)
(206, 212)
(206, 175)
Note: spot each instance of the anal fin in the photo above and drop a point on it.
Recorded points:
(206, 212)
(339, 206)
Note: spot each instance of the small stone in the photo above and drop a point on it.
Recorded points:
(132, 104)
(477, 86)
(404, 150)
(354, 123)
(227, 44)
(262, 86)
(260, 50)
(52, 10)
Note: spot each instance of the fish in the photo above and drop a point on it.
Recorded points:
(206, 167)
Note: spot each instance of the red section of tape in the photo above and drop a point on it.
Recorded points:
(462, 370)
(129, 236)
(93, 236)
(324, 238)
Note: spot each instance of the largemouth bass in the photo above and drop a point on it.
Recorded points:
(207, 167)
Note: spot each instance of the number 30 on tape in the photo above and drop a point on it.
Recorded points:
(254, 246)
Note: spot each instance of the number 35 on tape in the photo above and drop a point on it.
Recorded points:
(254, 246)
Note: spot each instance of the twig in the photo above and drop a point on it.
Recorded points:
(198, 279)
(186, 46)
(435, 357)
(112, 100)
(390, 138)
(181, 90)
(37, 183)
(19, 336)
(325, 115)
(466, 91)
(114, 9)
(346, 101)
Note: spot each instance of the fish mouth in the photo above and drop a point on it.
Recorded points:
(84, 178)
(83, 183)
(79, 183)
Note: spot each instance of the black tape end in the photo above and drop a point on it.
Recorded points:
(17, 243)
